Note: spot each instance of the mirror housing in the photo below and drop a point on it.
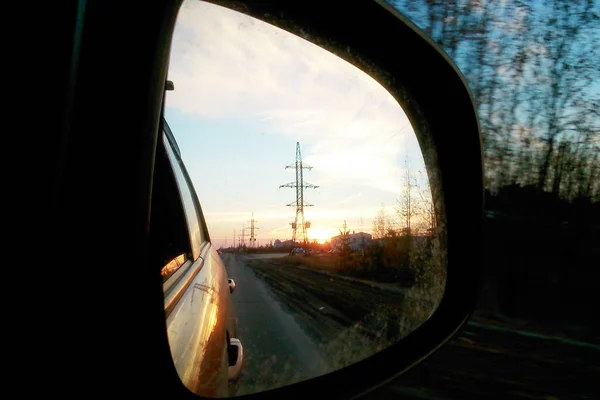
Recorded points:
(441, 110)
(102, 165)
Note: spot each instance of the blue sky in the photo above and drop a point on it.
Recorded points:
(245, 93)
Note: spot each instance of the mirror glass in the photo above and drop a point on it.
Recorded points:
(314, 192)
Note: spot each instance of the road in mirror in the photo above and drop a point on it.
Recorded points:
(314, 191)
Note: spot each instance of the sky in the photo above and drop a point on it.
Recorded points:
(245, 93)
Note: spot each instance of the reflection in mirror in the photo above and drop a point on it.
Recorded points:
(314, 191)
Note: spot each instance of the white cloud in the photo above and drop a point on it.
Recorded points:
(226, 64)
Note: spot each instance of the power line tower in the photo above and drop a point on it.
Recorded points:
(252, 229)
(299, 236)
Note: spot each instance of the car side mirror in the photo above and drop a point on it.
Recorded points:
(112, 176)
(438, 103)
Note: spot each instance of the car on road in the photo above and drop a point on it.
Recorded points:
(297, 251)
(200, 320)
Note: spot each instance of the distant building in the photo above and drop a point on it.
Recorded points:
(278, 244)
(358, 241)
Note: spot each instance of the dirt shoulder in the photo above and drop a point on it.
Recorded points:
(326, 303)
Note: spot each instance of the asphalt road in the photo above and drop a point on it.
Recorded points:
(277, 349)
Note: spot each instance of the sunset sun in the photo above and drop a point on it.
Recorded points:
(321, 234)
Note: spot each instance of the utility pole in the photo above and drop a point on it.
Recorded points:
(300, 236)
(243, 242)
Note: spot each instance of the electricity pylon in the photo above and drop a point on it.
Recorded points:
(252, 229)
(299, 236)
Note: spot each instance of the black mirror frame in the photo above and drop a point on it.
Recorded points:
(110, 134)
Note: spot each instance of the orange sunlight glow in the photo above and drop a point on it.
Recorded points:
(321, 234)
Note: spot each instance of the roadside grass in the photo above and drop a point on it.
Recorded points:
(421, 273)
(415, 264)
(357, 266)
(324, 262)
(385, 325)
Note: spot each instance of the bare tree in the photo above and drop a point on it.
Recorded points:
(568, 66)
(406, 205)
(426, 207)
(382, 224)
(345, 246)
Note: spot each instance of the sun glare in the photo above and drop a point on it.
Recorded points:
(321, 234)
